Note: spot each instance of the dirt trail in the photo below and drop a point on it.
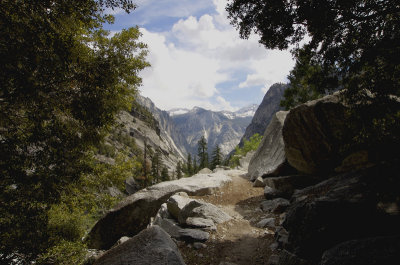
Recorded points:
(237, 241)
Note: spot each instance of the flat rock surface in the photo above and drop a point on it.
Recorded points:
(133, 214)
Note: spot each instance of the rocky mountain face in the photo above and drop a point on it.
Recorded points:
(343, 206)
(222, 128)
(168, 130)
(268, 107)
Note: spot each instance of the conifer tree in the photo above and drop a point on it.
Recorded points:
(202, 152)
(164, 174)
(216, 157)
(189, 166)
(179, 170)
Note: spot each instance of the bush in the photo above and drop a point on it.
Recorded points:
(249, 145)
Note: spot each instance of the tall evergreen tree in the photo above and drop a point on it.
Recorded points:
(202, 152)
(164, 174)
(62, 82)
(216, 157)
(156, 165)
(179, 170)
(189, 166)
(195, 167)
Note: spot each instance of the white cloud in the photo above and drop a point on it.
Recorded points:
(190, 61)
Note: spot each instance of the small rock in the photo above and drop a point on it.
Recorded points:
(199, 222)
(198, 245)
(273, 260)
(271, 193)
(275, 206)
(266, 223)
(259, 182)
(205, 171)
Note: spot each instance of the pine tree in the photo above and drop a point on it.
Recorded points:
(164, 174)
(156, 165)
(179, 170)
(216, 157)
(189, 166)
(195, 168)
(202, 152)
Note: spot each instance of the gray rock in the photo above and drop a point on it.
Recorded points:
(131, 186)
(270, 193)
(133, 214)
(275, 206)
(184, 234)
(259, 182)
(269, 158)
(287, 184)
(199, 222)
(176, 203)
(193, 235)
(205, 210)
(371, 251)
(114, 192)
(152, 246)
(198, 245)
(245, 161)
(266, 223)
(205, 171)
(265, 112)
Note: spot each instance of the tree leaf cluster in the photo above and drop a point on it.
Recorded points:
(354, 43)
(63, 79)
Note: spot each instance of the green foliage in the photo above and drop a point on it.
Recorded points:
(164, 174)
(189, 166)
(249, 145)
(145, 115)
(179, 170)
(307, 80)
(63, 80)
(64, 253)
(202, 152)
(216, 158)
(356, 42)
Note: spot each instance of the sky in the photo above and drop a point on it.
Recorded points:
(198, 59)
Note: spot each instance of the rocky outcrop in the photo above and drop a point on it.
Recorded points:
(265, 112)
(352, 205)
(314, 134)
(152, 246)
(286, 185)
(270, 159)
(133, 214)
(371, 251)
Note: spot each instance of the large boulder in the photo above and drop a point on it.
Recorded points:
(133, 214)
(313, 135)
(245, 161)
(270, 159)
(200, 209)
(371, 251)
(352, 205)
(152, 246)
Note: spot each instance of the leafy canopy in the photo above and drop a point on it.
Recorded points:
(357, 42)
(62, 81)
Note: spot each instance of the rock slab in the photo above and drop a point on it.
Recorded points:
(133, 214)
(270, 155)
(152, 246)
